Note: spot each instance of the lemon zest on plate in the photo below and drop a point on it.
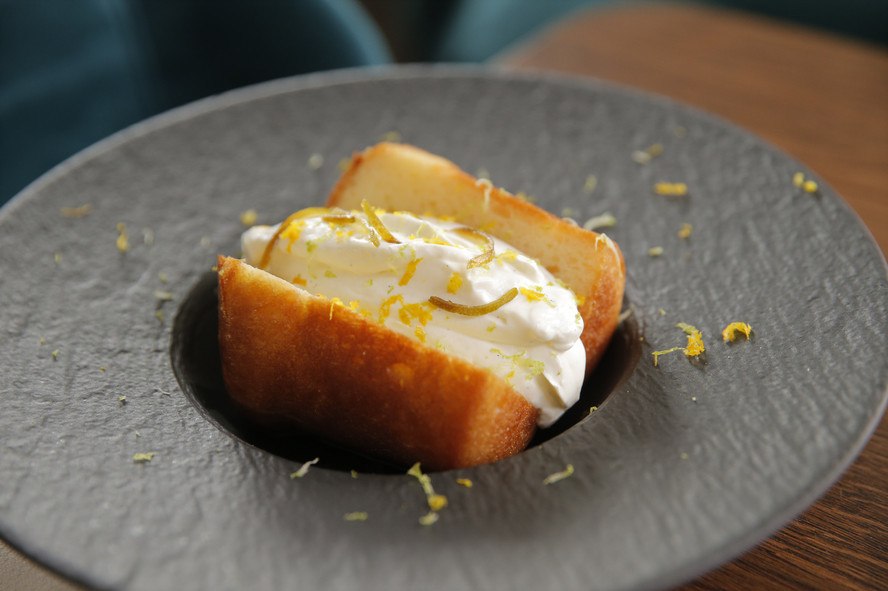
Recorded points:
(303, 469)
(732, 330)
(559, 476)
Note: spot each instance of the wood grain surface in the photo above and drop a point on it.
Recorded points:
(820, 98)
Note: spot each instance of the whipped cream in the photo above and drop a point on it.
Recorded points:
(533, 341)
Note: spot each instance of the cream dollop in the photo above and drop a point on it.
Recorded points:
(533, 341)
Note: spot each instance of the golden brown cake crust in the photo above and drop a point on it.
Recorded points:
(288, 360)
(404, 177)
(292, 358)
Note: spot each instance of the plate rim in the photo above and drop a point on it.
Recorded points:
(706, 561)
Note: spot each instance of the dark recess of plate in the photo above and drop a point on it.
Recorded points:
(198, 368)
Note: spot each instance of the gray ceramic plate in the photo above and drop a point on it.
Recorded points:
(683, 467)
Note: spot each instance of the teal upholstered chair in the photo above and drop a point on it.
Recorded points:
(72, 73)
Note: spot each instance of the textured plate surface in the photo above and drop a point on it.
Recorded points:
(682, 468)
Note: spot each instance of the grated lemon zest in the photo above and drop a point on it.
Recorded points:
(249, 217)
(435, 501)
(409, 271)
(533, 367)
(122, 238)
(729, 334)
(507, 256)
(420, 311)
(386, 307)
(648, 154)
(693, 348)
(685, 231)
(356, 516)
(454, 283)
(144, 457)
(559, 476)
(464, 482)
(429, 518)
(302, 213)
(671, 189)
(657, 354)
(76, 212)
(292, 233)
(533, 295)
(303, 469)
(605, 220)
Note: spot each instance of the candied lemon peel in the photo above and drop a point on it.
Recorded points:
(376, 223)
(487, 254)
(478, 310)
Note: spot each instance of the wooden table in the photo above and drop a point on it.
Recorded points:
(820, 98)
(824, 100)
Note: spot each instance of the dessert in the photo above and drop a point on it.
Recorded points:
(430, 336)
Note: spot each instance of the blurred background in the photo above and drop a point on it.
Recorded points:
(476, 30)
(72, 73)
